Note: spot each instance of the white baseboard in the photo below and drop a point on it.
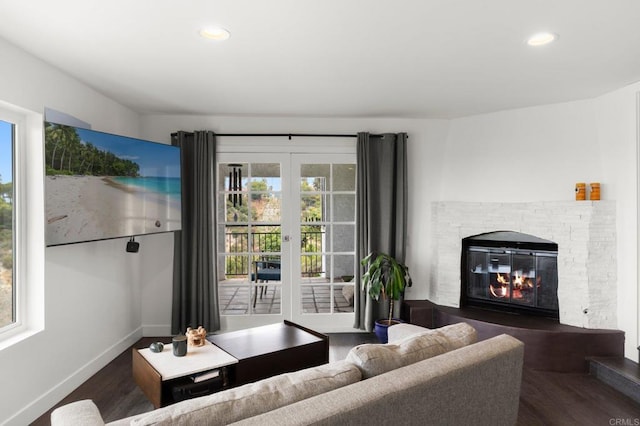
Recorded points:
(54, 395)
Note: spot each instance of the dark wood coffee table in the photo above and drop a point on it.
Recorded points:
(271, 349)
(237, 357)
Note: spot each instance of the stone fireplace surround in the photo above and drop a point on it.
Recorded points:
(585, 232)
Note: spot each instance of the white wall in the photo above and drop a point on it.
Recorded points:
(532, 154)
(92, 290)
(538, 154)
(617, 119)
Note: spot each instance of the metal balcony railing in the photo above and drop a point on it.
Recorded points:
(262, 244)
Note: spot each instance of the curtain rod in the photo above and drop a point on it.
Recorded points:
(289, 135)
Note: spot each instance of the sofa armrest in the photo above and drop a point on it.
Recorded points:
(79, 413)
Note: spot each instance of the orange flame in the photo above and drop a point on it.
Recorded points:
(519, 283)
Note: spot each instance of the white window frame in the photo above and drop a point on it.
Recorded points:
(238, 145)
(28, 210)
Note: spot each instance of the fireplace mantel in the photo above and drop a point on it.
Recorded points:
(585, 232)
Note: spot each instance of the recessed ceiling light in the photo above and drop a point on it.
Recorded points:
(217, 34)
(541, 39)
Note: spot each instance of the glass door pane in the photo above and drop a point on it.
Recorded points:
(249, 238)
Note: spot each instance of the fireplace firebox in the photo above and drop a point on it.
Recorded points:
(510, 271)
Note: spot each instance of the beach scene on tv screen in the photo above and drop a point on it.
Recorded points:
(100, 186)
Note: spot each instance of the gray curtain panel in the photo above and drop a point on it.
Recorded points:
(382, 210)
(195, 295)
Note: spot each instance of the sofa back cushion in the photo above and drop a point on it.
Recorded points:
(255, 398)
(375, 359)
(457, 335)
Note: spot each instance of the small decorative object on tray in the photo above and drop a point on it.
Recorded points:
(179, 345)
(196, 337)
(156, 347)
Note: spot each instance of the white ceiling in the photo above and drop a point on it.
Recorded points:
(356, 58)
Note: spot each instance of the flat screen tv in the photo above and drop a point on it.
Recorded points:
(101, 186)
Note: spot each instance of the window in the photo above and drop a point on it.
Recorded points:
(21, 224)
(7, 293)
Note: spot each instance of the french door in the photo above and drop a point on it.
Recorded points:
(323, 265)
(286, 239)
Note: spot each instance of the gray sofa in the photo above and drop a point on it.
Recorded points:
(421, 376)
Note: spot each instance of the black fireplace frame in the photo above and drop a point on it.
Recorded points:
(509, 241)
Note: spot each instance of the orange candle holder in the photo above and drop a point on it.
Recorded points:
(594, 194)
(581, 191)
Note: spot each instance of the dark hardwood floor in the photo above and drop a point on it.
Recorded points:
(546, 398)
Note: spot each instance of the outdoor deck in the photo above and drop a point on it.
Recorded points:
(237, 299)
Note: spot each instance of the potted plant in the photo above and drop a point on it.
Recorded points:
(385, 277)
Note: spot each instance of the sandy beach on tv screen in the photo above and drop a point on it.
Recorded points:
(86, 208)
